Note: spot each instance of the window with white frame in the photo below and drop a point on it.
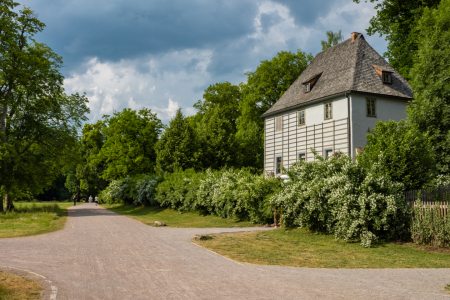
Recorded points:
(302, 156)
(328, 111)
(278, 163)
(371, 112)
(328, 153)
(301, 117)
(279, 123)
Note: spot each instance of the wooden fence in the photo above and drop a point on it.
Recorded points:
(431, 197)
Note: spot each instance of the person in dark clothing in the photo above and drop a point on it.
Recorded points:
(74, 200)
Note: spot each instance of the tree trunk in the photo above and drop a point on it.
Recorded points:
(1, 202)
(8, 203)
(3, 122)
(78, 193)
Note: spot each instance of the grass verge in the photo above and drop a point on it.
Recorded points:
(300, 248)
(13, 287)
(172, 218)
(33, 218)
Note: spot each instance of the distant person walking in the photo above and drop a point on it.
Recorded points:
(96, 200)
(74, 200)
(90, 200)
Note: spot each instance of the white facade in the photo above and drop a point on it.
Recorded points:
(345, 131)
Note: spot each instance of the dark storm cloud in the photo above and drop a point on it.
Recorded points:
(114, 30)
(307, 12)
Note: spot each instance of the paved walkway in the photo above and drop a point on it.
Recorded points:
(102, 255)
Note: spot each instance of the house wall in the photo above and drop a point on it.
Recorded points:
(386, 109)
(317, 133)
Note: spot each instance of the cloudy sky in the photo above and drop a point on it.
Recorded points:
(163, 54)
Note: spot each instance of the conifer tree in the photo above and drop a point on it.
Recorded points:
(177, 146)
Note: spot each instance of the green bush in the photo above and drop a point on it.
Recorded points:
(179, 190)
(226, 193)
(340, 197)
(407, 154)
(138, 190)
(428, 227)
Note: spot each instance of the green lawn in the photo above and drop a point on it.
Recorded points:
(33, 218)
(172, 218)
(300, 248)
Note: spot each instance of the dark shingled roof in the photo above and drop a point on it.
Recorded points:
(346, 67)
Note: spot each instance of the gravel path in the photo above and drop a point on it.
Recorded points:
(102, 255)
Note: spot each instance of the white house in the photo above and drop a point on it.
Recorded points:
(333, 104)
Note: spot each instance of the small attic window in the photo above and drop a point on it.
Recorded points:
(309, 84)
(384, 72)
(387, 77)
(307, 87)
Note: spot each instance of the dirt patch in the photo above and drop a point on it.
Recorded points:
(424, 247)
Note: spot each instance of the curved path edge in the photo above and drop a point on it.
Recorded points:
(50, 290)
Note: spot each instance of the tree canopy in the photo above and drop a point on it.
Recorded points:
(397, 21)
(38, 122)
(333, 38)
(129, 147)
(430, 110)
(177, 146)
(401, 152)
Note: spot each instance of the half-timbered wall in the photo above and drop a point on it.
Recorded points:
(294, 139)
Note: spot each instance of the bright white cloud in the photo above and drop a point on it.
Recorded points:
(177, 78)
(160, 83)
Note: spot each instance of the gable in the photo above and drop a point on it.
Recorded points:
(346, 67)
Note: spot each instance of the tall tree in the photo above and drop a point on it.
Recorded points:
(264, 87)
(226, 95)
(333, 38)
(129, 148)
(430, 110)
(88, 171)
(397, 20)
(38, 122)
(216, 140)
(177, 146)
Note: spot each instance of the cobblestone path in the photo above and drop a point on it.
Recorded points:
(102, 255)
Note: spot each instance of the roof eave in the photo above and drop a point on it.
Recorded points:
(264, 115)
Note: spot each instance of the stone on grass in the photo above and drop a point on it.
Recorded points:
(202, 237)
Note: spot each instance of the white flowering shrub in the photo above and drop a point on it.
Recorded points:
(145, 192)
(115, 192)
(139, 190)
(339, 196)
(226, 193)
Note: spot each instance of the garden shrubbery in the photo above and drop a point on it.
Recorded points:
(340, 197)
(138, 190)
(225, 193)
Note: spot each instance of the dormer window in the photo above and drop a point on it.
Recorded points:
(384, 72)
(387, 77)
(307, 87)
(309, 84)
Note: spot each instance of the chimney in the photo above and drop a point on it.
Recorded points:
(356, 35)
